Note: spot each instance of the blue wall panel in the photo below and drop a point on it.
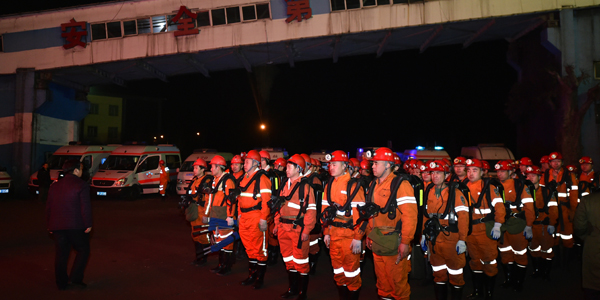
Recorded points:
(62, 104)
(7, 96)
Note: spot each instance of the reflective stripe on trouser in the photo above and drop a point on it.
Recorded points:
(542, 242)
(392, 278)
(294, 258)
(346, 266)
(201, 234)
(518, 248)
(221, 235)
(273, 241)
(566, 234)
(446, 263)
(314, 243)
(254, 240)
(162, 188)
(483, 252)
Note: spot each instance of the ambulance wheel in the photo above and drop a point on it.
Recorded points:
(135, 192)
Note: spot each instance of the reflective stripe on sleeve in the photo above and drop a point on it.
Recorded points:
(312, 243)
(325, 202)
(496, 201)
(562, 194)
(338, 271)
(552, 203)
(301, 261)
(574, 187)
(293, 205)
(246, 195)
(405, 200)
(288, 258)
(527, 200)
(522, 252)
(265, 191)
(461, 208)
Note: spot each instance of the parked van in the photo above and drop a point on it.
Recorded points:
(320, 156)
(186, 172)
(132, 170)
(5, 181)
(91, 156)
(425, 154)
(492, 153)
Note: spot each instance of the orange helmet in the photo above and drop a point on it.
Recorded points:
(383, 154)
(280, 162)
(237, 160)
(555, 155)
(297, 160)
(585, 160)
(503, 165)
(218, 160)
(264, 154)
(306, 158)
(200, 162)
(571, 168)
(460, 161)
(545, 159)
(337, 155)
(354, 162)
(253, 154)
(526, 161)
(437, 165)
(472, 162)
(533, 170)
(365, 165)
(485, 164)
(161, 162)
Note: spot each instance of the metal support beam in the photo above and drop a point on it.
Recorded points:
(336, 48)
(110, 76)
(527, 30)
(151, 70)
(479, 33)
(431, 38)
(290, 52)
(197, 65)
(70, 84)
(243, 59)
(383, 43)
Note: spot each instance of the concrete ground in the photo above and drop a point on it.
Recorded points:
(143, 249)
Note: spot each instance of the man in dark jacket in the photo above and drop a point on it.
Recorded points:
(69, 220)
(44, 181)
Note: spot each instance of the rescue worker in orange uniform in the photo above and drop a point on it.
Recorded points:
(164, 178)
(397, 217)
(339, 235)
(200, 233)
(416, 168)
(544, 225)
(426, 174)
(447, 245)
(316, 232)
(255, 190)
(273, 243)
(365, 169)
(280, 164)
(523, 164)
(588, 180)
(513, 245)
(545, 163)
(354, 167)
(487, 209)
(567, 188)
(236, 168)
(220, 205)
(295, 221)
(486, 169)
(460, 172)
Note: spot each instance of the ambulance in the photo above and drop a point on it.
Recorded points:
(275, 153)
(186, 172)
(320, 156)
(5, 181)
(91, 156)
(425, 154)
(131, 170)
(492, 153)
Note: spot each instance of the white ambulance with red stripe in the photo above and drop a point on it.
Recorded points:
(132, 170)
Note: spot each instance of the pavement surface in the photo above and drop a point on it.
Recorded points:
(143, 249)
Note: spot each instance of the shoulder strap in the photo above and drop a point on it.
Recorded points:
(350, 195)
(392, 204)
(425, 198)
(329, 183)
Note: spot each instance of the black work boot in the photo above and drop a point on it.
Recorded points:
(261, 269)
(546, 268)
(313, 259)
(566, 259)
(228, 259)
(353, 295)
(441, 291)
(220, 265)
(252, 266)
(273, 254)
(303, 284)
(201, 258)
(293, 278)
(519, 277)
(456, 292)
(343, 292)
(490, 284)
(508, 274)
(536, 262)
(477, 286)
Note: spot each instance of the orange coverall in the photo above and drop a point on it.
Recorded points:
(482, 249)
(446, 263)
(218, 199)
(314, 237)
(253, 239)
(542, 242)
(164, 180)
(295, 259)
(392, 278)
(568, 198)
(346, 265)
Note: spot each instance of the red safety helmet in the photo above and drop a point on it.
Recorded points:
(365, 165)
(337, 155)
(417, 163)
(237, 160)
(218, 160)
(253, 154)
(503, 165)
(313, 162)
(407, 164)
(297, 160)
(472, 162)
(354, 162)
(264, 154)
(485, 164)
(526, 161)
(437, 165)
(425, 167)
(460, 161)
(571, 168)
(397, 160)
(317, 162)
(383, 154)
(161, 162)
(280, 162)
(306, 158)
(555, 155)
(533, 170)
(447, 161)
(200, 162)
(545, 159)
(585, 160)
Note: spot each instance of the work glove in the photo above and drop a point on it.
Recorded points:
(551, 229)
(527, 232)
(262, 225)
(230, 221)
(205, 220)
(355, 246)
(496, 231)
(423, 243)
(461, 247)
(327, 240)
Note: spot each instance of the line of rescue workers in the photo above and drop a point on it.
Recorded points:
(449, 209)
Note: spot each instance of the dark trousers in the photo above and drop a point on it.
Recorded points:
(43, 193)
(64, 240)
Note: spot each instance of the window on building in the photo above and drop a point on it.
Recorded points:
(113, 134)
(113, 110)
(218, 16)
(93, 108)
(249, 12)
(400, 1)
(203, 18)
(114, 29)
(98, 31)
(338, 5)
(1, 45)
(233, 15)
(352, 4)
(367, 3)
(92, 131)
(159, 24)
(129, 28)
(262, 11)
(143, 26)
(383, 2)
(172, 26)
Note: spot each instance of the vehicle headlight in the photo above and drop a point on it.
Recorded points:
(121, 182)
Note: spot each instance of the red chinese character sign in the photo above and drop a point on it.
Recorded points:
(298, 9)
(72, 34)
(186, 26)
